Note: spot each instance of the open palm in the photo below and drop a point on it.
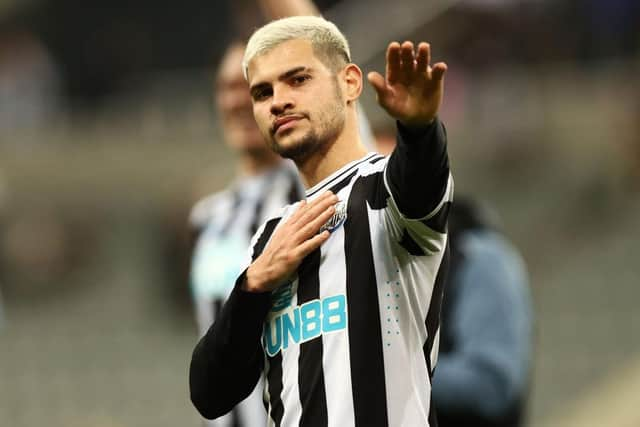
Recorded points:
(412, 90)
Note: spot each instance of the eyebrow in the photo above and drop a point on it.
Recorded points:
(281, 77)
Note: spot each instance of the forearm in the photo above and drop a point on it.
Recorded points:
(228, 359)
(418, 169)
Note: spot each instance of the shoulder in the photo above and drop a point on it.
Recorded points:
(491, 260)
(488, 244)
(208, 207)
(375, 164)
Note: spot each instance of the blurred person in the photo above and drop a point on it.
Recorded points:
(29, 81)
(486, 336)
(485, 357)
(225, 221)
(338, 309)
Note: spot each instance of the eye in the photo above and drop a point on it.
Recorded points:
(260, 94)
(300, 79)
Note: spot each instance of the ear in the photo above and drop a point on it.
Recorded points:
(352, 82)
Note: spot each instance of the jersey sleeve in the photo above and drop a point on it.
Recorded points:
(227, 361)
(420, 186)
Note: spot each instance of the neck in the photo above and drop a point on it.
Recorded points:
(345, 149)
(255, 163)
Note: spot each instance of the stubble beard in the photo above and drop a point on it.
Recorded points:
(331, 123)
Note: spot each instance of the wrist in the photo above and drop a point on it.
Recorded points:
(417, 125)
(255, 280)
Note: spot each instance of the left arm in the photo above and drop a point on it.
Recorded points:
(419, 165)
(411, 92)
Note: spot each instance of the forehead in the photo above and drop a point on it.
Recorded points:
(285, 56)
(230, 68)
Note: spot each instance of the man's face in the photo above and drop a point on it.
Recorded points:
(234, 105)
(297, 100)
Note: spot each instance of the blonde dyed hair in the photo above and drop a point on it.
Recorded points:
(328, 43)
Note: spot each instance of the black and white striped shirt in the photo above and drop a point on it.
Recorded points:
(352, 340)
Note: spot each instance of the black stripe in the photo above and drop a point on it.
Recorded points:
(376, 160)
(274, 379)
(310, 374)
(340, 175)
(224, 227)
(365, 334)
(410, 245)
(340, 185)
(274, 375)
(257, 210)
(432, 322)
(264, 237)
(438, 222)
(216, 306)
(433, 418)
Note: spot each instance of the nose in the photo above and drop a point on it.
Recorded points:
(281, 101)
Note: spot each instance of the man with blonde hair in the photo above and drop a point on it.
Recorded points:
(338, 309)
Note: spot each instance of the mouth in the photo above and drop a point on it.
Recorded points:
(285, 122)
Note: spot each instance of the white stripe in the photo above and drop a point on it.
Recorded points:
(405, 287)
(290, 391)
(336, 362)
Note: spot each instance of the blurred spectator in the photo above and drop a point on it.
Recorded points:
(482, 375)
(41, 248)
(29, 81)
(224, 222)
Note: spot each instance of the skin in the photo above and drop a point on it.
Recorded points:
(291, 82)
(236, 115)
(290, 85)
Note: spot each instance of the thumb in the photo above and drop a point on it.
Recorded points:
(377, 81)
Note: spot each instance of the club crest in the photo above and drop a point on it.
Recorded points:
(337, 219)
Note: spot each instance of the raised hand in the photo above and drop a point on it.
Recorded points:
(412, 90)
(290, 243)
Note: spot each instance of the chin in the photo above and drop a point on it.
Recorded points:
(296, 149)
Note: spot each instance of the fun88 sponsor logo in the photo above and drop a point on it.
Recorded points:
(304, 323)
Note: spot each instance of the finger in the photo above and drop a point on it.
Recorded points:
(321, 202)
(303, 211)
(313, 226)
(316, 209)
(393, 62)
(407, 58)
(312, 244)
(377, 81)
(298, 212)
(423, 57)
(438, 71)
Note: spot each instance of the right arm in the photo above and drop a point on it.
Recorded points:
(228, 359)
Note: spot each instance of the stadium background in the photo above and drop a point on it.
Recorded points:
(108, 133)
